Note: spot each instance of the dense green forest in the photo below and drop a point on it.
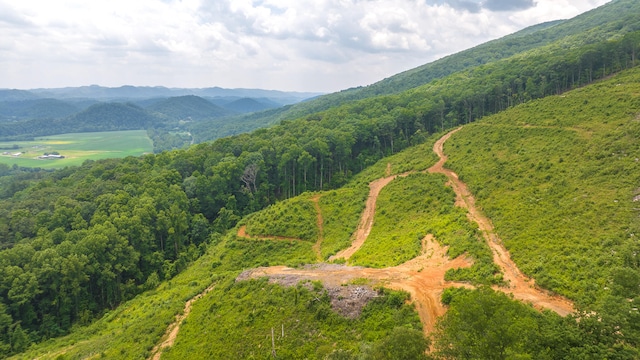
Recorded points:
(78, 244)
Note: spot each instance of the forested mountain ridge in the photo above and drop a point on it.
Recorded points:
(98, 117)
(81, 241)
(609, 21)
(36, 109)
(128, 93)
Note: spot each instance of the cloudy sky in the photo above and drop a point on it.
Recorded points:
(294, 45)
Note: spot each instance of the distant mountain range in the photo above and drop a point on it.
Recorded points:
(128, 93)
(59, 103)
(26, 114)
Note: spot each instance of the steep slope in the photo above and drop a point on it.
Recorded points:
(567, 223)
(102, 242)
(558, 177)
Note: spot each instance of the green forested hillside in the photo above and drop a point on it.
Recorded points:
(98, 117)
(86, 250)
(188, 107)
(599, 25)
(36, 109)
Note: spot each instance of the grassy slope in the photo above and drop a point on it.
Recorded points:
(410, 208)
(557, 177)
(341, 211)
(293, 218)
(236, 322)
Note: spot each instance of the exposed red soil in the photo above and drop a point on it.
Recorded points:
(422, 277)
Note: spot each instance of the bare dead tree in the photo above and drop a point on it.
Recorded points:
(249, 177)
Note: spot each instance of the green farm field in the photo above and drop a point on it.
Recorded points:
(76, 148)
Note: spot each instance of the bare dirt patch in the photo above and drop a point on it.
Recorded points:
(422, 277)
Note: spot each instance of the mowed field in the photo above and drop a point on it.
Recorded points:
(76, 148)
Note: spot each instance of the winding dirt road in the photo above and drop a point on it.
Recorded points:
(366, 220)
(423, 276)
(522, 287)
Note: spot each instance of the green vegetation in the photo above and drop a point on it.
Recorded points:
(341, 211)
(187, 107)
(239, 317)
(76, 148)
(294, 218)
(578, 48)
(411, 207)
(131, 330)
(245, 253)
(483, 324)
(558, 177)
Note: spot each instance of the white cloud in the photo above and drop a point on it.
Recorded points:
(321, 45)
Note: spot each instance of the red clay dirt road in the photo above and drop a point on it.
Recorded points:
(522, 287)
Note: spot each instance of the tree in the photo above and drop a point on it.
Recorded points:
(483, 324)
(249, 177)
(402, 344)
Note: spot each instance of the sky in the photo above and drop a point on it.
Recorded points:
(289, 45)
